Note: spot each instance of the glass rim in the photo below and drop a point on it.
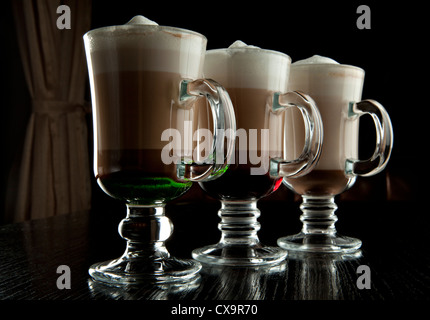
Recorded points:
(327, 65)
(142, 27)
(244, 49)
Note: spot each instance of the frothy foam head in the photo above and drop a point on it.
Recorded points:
(238, 44)
(143, 45)
(326, 73)
(316, 59)
(246, 66)
(141, 20)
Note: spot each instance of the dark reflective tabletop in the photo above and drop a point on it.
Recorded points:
(394, 254)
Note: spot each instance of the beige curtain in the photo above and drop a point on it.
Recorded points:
(54, 176)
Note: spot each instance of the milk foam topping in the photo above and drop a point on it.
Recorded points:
(238, 44)
(248, 66)
(141, 44)
(141, 20)
(316, 59)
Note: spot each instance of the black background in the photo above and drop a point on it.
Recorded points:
(393, 53)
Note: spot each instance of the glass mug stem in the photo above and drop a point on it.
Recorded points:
(146, 258)
(318, 215)
(145, 229)
(319, 232)
(239, 223)
(239, 244)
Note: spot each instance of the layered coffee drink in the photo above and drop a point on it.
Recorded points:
(145, 87)
(251, 77)
(256, 80)
(333, 87)
(135, 88)
(337, 91)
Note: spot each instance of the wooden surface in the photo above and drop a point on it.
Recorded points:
(395, 247)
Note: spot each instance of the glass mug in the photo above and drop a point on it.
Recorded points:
(144, 95)
(337, 91)
(256, 81)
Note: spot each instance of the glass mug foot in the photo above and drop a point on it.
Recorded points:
(239, 255)
(126, 270)
(320, 243)
(319, 232)
(239, 244)
(146, 258)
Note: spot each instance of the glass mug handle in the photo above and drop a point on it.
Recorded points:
(384, 139)
(224, 126)
(313, 135)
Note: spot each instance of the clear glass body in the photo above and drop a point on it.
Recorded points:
(256, 81)
(143, 92)
(337, 91)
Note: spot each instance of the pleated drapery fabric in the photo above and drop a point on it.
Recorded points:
(54, 175)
